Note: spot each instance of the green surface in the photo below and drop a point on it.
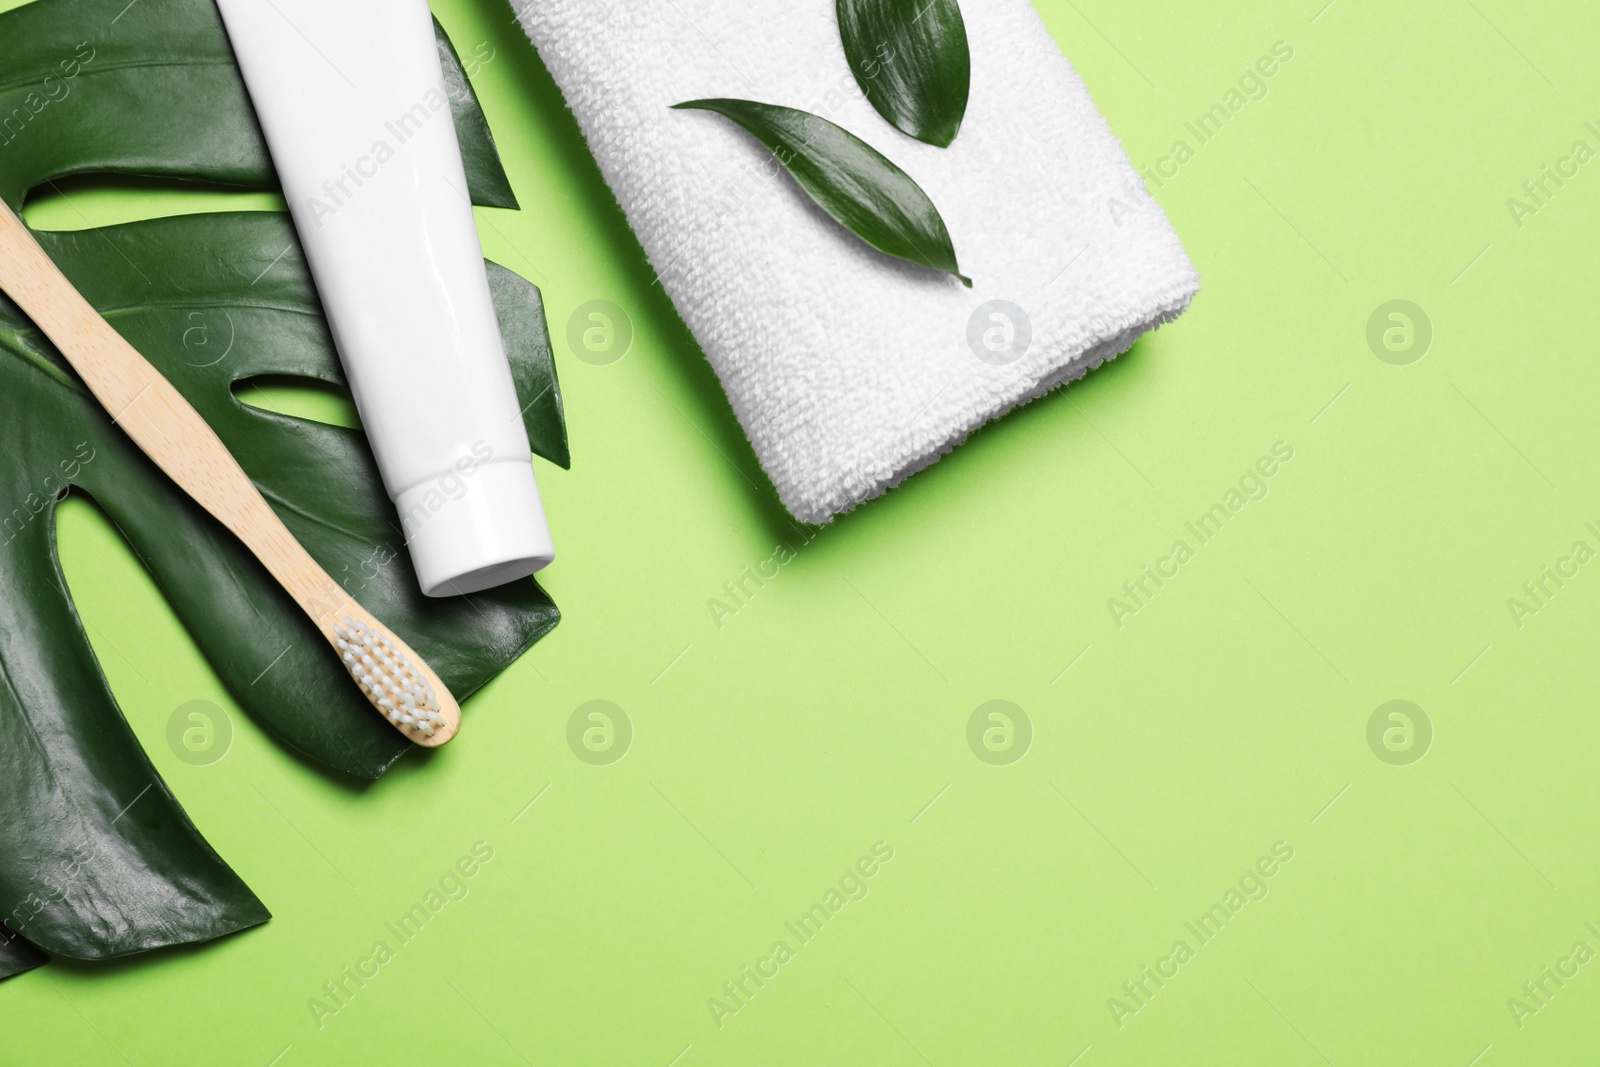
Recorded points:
(831, 710)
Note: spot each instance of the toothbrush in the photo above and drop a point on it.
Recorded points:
(392, 677)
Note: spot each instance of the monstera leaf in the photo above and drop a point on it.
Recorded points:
(16, 955)
(151, 89)
(97, 859)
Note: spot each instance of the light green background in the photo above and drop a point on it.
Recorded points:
(830, 712)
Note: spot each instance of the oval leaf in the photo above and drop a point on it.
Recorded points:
(910, 57)
(849, 179)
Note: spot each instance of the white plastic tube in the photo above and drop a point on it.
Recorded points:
(351, 97)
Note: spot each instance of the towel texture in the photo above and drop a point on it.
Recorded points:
(850, 370)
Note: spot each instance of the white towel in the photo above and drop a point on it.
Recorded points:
(850, 370)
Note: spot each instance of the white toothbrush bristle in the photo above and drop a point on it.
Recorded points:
(387, 678)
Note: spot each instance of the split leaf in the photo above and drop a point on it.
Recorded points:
(16, 955)
(151, 90)
(97, 859)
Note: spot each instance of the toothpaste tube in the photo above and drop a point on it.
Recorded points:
(351, 97)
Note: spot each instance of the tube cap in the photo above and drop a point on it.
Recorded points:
(473, 531)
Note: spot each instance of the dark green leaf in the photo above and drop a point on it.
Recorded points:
(870, 196)
(16, 955)
(520, 310)
(478, 153)
(144, 875)
(910, 58)
(151, 89)
(96, 857)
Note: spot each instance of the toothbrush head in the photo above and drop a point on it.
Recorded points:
(394, 680)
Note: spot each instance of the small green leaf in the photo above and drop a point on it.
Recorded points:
(870, 196)
(910, 57)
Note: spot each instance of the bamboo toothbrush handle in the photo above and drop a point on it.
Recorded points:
(148, 408)
(171, 432)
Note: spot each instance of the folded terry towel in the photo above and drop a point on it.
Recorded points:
(850, 370)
